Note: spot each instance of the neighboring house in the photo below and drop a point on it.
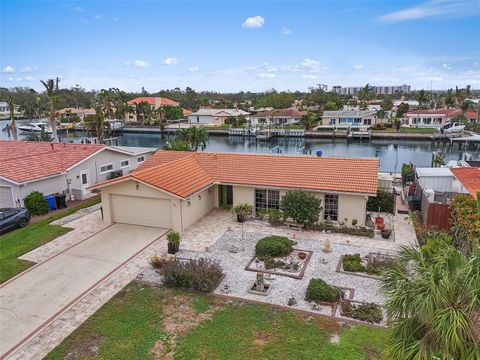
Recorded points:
(5, 111)
(155, 103)
(51, 168)
(435, 118)
(214, 116)
(469, 178)
(70, 113)
(412, 103)
(350, 117)
(277, 117)
(173, 189)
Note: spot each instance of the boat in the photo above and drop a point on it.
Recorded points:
(452, 127)
(115, 124)
(35, 127)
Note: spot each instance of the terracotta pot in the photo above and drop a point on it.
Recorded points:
(379, 220)
(302, 255)
(380, 226)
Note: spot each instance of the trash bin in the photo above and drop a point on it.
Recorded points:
(60, 200)
(51, 201)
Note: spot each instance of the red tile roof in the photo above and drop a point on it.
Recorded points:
(184, 173)
(23, 161)
(444, 112)
(469, 177)
(153, 101)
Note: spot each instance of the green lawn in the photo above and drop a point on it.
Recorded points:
(133, 325)
(18, 242)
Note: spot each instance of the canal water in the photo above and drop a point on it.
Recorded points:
(392, 153)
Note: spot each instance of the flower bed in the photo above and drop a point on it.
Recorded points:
(355, 231)
(371, 265)
(292, 265)
(369, 312)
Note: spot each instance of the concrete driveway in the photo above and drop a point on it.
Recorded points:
(40, 294)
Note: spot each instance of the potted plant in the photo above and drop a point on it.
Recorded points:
(386, 232)
(173, 238)
(243, 211)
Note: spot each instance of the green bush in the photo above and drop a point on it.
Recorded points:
(384, 201)
(273, 246)
(302, 207)
(436, 243)
(275, 217)
(407, 173)
(355, 231)
(319, 290)
(200, 275)
(352, 263)
(365, 312)
(36, 203)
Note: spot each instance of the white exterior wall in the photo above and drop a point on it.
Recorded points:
(436, 183)
(427, 120)
(254, 120)
(200, 119)
(197, 206)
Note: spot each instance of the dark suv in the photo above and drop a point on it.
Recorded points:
(12, 218)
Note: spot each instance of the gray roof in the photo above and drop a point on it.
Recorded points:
(214, 112)
(433, 171)
(348, 113)
(134, 150)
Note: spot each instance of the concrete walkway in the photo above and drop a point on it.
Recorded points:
(38, 296)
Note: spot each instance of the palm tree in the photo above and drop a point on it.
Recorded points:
(423, 98)
(365, 95)
(198, 137)
(433, 301)
(449, 99)
(51, 89)
(438, 159)
(11, 107)
(465, 106)
(42, 137)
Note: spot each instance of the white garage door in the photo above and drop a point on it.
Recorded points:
(6, 198)
(139, 210)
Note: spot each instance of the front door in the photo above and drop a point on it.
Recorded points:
(225, 196)
(84, 181)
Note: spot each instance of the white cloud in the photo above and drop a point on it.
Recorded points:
(254, 22)
(446, 66)
(193, 69)
(309, 77)
(28, 78)
(140, 64)
(10, 78)
(266, 75)
(359, 66)
(98, 17)
(170, 61)
(8, 69)
(434, 8)
(476, 63)
(26, 69)
(285, 31)
(310, 65)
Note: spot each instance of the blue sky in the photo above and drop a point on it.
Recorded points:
(233, 46)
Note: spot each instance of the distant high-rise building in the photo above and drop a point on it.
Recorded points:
(384, 90)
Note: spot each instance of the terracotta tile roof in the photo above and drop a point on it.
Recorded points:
(469, 177)
(191, 172)
(442, 112)
(153, 101)
(290, 112)
(23, 161)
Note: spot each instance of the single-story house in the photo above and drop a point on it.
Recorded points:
(277, 117)
(51, 168)
(174, 189)
(155, 102)
(70, 113)
(350, 117)
(214, 116)
(436, 117)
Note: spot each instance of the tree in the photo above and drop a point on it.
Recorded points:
(177, 145)
(365, 95)
(434, 304)
(11, 107)
(449, 99)
(423, 98)
(51, 90)
(438, 159)
(465, 223)
(308, 120)
(402, 109)
(387, 104)
(465, 106)
(194, 137)
(302, 207)
(173, 112)
(461, 94)
(43, 136)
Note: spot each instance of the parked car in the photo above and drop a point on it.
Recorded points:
(13, 218)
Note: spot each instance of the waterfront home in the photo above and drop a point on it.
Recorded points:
(215, 116)
(277, 117)
(435, 117)
(75, 113)
(51, 168)
(353, 117)
(173, 189)
(154, 102)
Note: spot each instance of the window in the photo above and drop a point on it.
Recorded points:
(106, 168)
(267, 199)
(331, 207)
(198, 119)
(124, 163)
(140, 159)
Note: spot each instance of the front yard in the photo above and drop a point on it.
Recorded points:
(16, 243)
(145, 321)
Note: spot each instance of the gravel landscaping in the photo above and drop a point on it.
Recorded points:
(234, 254)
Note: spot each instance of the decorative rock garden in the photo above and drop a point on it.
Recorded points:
(286, 275)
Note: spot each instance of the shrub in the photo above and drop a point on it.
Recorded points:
(275, 217)
(200, 275)
(356, 231)
(319, 290)
(383, 201)
(173, 237)
(407, 173)
(365, 312)
(436, 243)
(36, 203)
(273, 246)
(302, 207)
(352, 263)
(243, 211)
